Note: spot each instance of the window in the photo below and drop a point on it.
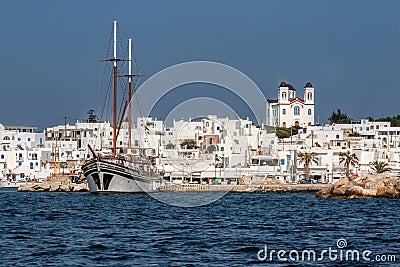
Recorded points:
(19, 139)
(283, 95)
(309, 111)
(29, 139)
(284, 111)
(2, 156)
(31, 165)
(337, 136)
(296, 110)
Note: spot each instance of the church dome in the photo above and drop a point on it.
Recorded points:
(308, 85)
(283, 84)
(290, 87)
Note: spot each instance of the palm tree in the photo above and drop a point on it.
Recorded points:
(348, 159)
(307, 158)
(380, 166)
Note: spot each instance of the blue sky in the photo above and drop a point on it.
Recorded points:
(349, 50)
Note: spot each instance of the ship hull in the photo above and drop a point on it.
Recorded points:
(109, 177)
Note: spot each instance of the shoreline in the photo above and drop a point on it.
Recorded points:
(270, 188)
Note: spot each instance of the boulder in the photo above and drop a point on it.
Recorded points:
(64, 188)
(23, 188)
(369, 193)
(354, 190)
(389, 192)
(366, 186)
(379, 185)
(369, 185)
(36, 186)
(45, 186)
(79, 188)
(393, 181)
(342, 181)
(31, 189)
(324, 193)
(340, 191)
(54, 187)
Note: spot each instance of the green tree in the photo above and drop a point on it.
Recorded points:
(380, 166)
(307, 158)
(189, 144)
(394, 121)
(283, 132)
(210, 149)
(92, 117)
(339, 117)
(348, 159)
(370, 118)
(170, 146)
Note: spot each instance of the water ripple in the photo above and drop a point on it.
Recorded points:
(126, 230)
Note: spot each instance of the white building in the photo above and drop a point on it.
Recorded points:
(289, 109)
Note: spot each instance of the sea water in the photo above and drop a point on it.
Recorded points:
(239, 229)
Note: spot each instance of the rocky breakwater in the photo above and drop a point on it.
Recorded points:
(366, 186)
(273, 185)
(53, 187)
(55, 184)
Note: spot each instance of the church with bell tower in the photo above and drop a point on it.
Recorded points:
(289, 109)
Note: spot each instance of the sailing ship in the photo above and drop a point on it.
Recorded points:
(121, 172)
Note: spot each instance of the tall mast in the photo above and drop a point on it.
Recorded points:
(130, 93)
(115, 91)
